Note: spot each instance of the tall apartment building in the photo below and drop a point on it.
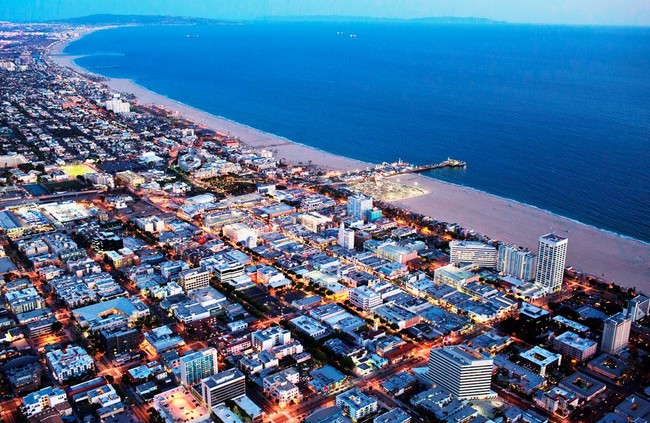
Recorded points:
(616, 333)
(226, 385)
(358, 205)
(513, 261)
(198, 365)
(472, 252)
(461, 370)
(551, 258)
(193, 279)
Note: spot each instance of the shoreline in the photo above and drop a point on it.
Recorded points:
(618, 258)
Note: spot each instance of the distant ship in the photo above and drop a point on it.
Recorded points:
(353, 35)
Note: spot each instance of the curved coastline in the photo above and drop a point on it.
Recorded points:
(616, 257)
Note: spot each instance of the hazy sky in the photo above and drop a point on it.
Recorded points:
(589, 12)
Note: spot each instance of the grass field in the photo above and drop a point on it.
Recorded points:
(77, 170)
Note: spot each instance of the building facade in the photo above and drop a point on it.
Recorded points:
(551, 259)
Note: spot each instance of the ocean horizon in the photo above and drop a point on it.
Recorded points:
(569, 137)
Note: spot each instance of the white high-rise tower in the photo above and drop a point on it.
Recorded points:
(616, 332)
(551, 259)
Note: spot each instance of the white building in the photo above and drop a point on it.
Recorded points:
(238, 232)
(461, 370)
(282, 386)
(356, 404)
(365, 298)
(227, 385)
(513, 261)
(551, 259)
(358, 205)
(42, 400)
(116, 105)
(152, 224)
(268, 338)
(456, 277)
(314, 222)
(346, 237)
(198, 365)
(616, 333)
(472, 252)
(71, 362)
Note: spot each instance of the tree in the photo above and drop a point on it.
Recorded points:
(57, 326)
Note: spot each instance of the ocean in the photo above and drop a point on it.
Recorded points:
(553, 116)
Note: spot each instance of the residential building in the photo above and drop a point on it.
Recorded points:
(572, 345)
(198, 365)
(73, 361)
(356, 404)
(551, 259)
(515, 262)
(616, 333)
(346, 237)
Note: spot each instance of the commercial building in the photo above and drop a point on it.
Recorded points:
(268, 338)
(638, 307)
(121, 340)
(358, 205)
(551, 259)
(356, 404)
(472, 253)
(226, 385)
(571, 345)
(198, 365)
(454, 276)
(365, 298)
(309, 326)
(70, 362)
(178, 405)
(239, 232)
(395, 253)
(461, 370)
(616, 333)
(515, 262)
(192, 279)
(110, 313)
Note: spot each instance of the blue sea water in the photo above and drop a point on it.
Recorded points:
(556, 117)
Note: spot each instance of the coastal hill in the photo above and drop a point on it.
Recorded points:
(113, 19)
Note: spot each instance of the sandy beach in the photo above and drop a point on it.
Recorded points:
(622, 260)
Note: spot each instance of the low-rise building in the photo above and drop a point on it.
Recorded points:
(356, 404)
(73, 361)
(571, 345)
